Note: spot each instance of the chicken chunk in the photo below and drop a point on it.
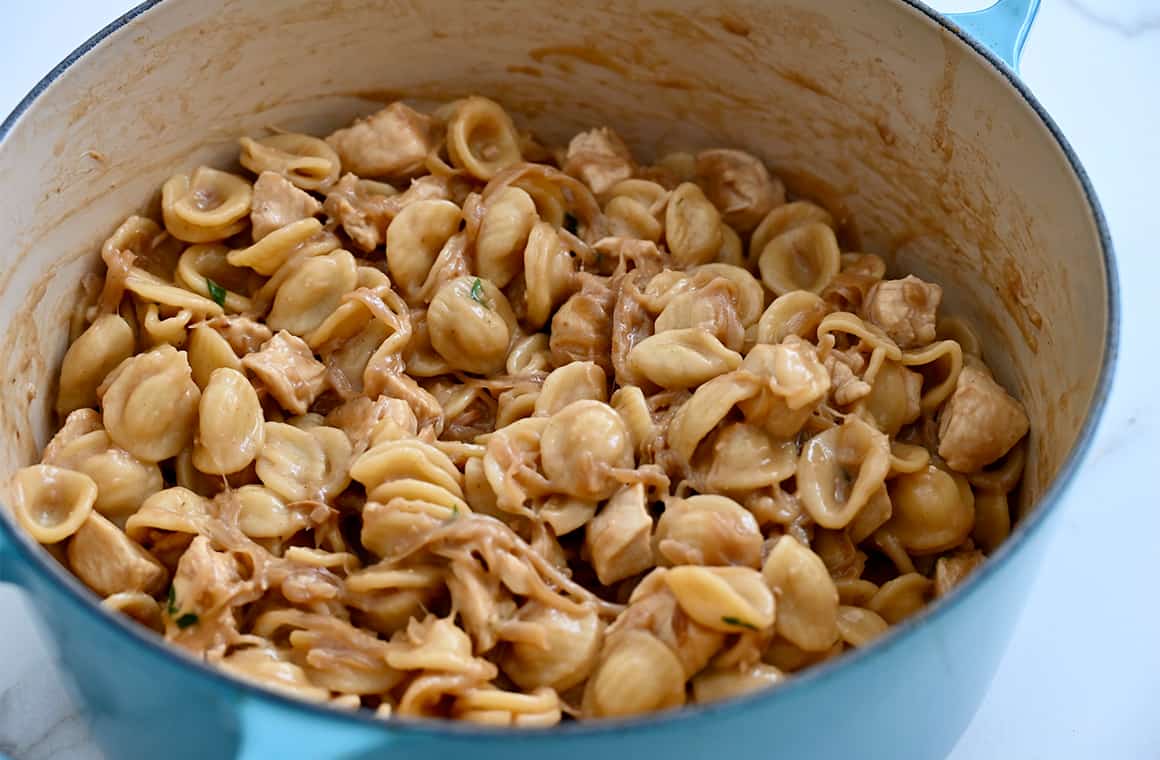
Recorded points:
(618, 538)
(276, 203)
(245, 335)
(582, 328)
(391, 143)
(739, 185)
(362, 208)
(288, 369)
(905, 309)
(109, 562)
(980, 423)
(599, 158)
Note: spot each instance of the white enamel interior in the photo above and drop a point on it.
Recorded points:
(927, 153)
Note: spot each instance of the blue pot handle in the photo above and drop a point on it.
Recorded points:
(269, 730)
(1003, 27)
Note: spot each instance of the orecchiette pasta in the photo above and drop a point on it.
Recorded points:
(426, 418)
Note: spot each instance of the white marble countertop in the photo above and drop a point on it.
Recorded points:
(1082, 677)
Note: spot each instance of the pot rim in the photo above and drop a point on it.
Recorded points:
(240, 690)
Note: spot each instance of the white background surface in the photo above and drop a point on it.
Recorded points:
(1082, 676)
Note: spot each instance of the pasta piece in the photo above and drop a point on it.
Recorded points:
(209, 351)
(707, 529)
(782, 219)
(711, 308)
(301, 464)
(859, 627)
(471, 325)
(933, 510)
(549, 274)
(638, 674)
(411, 487)
(52, 503)
(802, 258)
(306, 161)
(952, 570)
(298, 239)
(901, 597)
(150, 404)
(562, 649)
(93, 355)
(692, 226)
(840, 470)
(743, 457)
(263, 514)
(807, 601)
(726, 599)
(414, 240)
(122, 480)
(576, 381)
(792, 383)
(630, 403)
(715, 685)
(311, 292)
(992, 520)
(481, 138)
(582, 445)
(206, 206)
(682, 358)
(496, 707)
(230, 431)
(503, 235)
(798, 312)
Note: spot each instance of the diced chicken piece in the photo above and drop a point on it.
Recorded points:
(980, 423)
(244, 335)
(599, 158)
(391, 143)
(905, 309)
(618, 538)
(739, 185)
(276, 203)
(582, 328)
(846, 386)
(205, 581)
(361, 206)
(288, 369)
(109, 562)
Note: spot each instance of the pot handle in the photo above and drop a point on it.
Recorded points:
(269, 730)
(1002, 28)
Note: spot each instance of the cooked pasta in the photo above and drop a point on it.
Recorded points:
(403, 421)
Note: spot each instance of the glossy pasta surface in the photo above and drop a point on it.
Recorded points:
(430, 419)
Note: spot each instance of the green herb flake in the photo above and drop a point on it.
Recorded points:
(216, 292)
(186, 620)
(171, 602)
(454, 513)
(477, 291)
(571, 224)
(729, 620)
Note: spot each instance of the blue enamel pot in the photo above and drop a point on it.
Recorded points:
(913, 123)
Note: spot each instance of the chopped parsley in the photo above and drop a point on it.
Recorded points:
(186, 620)
(171, 602)
(730, 620)
(454, 513)
(477, 291)
(571, 224)
(216, 292)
